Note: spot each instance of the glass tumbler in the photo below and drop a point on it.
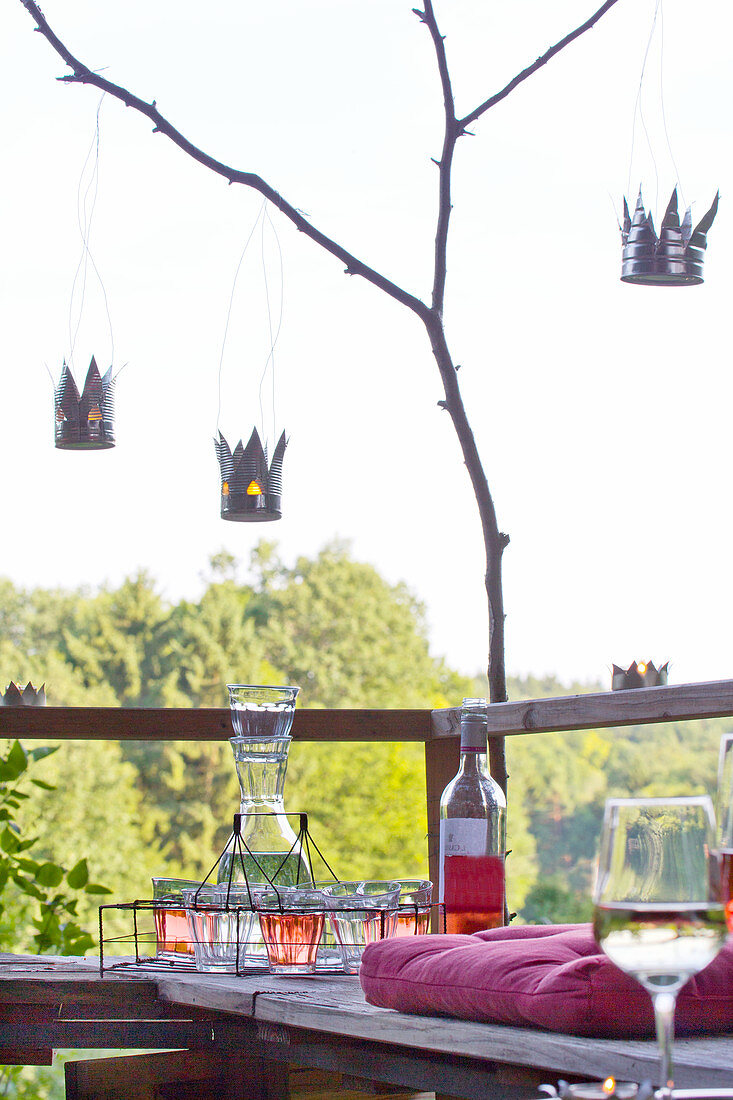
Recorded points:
(220, 926)
(173, 940)
(361, 913)
(291, 922)
(413, 911)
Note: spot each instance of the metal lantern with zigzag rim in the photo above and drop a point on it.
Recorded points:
(639, 674)
(85, 422)
(675, 258)
(250, 488)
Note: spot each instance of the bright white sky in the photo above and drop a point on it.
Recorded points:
(602, 411)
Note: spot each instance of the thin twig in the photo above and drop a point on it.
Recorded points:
(445, 164)
(83, 75)
(538, 64)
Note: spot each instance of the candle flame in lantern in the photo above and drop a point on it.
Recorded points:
(641, 669)
(254, 489)
(609, 1085)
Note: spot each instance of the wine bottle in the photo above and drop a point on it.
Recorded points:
(473, 834)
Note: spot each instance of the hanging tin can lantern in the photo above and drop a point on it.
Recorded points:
(85, 422)
(250, 488)
(675, 257)
(28, 696)
(639, 674)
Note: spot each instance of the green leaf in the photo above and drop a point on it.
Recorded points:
(29, 865)
(8, 840)
(28, 887)
(23, 845)
(17, 758)
(43, 785)
(96, 888)
(42, 751)
(78, 876)
(49, 874)
(75, 941)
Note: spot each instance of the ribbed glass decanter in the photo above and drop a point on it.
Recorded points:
(270, 852)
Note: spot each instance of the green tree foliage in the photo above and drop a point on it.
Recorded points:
(349, 639)
(332, 625)
(563, 780)
(42, 903)
(38, 896)
(96, 807)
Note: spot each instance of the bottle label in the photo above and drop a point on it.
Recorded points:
(463, 836)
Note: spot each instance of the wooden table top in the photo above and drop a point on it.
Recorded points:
(334, 1005)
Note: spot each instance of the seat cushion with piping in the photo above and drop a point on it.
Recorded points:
(547, 976)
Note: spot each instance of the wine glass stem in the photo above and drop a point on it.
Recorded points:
(664, 1006)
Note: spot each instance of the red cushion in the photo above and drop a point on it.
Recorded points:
(549, 976)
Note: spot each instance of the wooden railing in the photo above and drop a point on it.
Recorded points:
(437, 730)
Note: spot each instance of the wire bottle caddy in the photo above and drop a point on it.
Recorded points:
(268, 916)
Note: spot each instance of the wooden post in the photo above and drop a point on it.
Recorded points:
(441, 764)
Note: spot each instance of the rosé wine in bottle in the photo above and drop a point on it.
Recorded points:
(472, 834)
(725, 868)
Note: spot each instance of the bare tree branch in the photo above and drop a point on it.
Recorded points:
(495, 541)
(445, 164)
(83, 75)
(532, 69)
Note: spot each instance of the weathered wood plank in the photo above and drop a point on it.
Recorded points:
(333, 1007)
(203, 724)
(676, 703)
(336, 1006)
(26, 1056)
(679, 702)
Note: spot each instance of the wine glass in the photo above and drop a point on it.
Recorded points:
(657, 913)
(724, 814)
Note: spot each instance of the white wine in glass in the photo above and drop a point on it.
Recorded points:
(657, 909)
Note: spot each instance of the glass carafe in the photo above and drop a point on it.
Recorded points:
(262, 717)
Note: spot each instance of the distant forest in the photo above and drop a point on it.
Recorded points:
(349, 639)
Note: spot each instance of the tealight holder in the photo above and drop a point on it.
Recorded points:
(610, 1089)
(639, 674)
(15, 696)
(250, 487)
(85, 422)
(628, 1090)
(675, 257)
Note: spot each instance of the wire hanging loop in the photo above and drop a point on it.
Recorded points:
(86, 202)
(274, 324)
(656, 32)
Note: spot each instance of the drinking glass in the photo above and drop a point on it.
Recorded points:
(291, 922)
(413, 909)
(724, 815)
(657, 909)
(220, 923)
(361, 913)
(173, 941)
